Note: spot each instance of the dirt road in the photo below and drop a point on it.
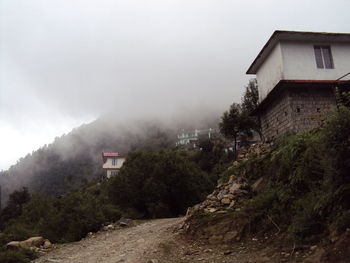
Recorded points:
(130, 245)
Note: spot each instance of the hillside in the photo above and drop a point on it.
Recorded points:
(75, 159)
(291, 198)
(281, 202)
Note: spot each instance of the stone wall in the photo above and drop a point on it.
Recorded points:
(296, 110)
(276, 119)
(310, 107)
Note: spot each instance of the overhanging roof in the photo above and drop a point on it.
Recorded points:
(280, 35)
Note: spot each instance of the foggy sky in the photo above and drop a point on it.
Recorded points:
(66, 62)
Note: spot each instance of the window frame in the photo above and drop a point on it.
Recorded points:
(323, 60)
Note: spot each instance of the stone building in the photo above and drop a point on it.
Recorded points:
(298, 74)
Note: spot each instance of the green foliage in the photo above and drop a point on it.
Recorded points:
(14, 206)
(225, 176)
(343, 221)
(159, 184)
(65, 219)
(17, 256)
(250, 102)
(212, 158)
(231, 121)
(308, 183)
(237, 120)
(343, 97)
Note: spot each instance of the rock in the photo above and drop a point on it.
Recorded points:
(32, 242)
(192, 210)
(232, 204)
(313, 248)
(126, 222)
(153, 261)
(211, 197)
(47, 244)
(221, 194)
(13, 245)
(225, 201)
(108, 227)
(54, 260)
(229, 196)
(234, 187)
(231, 236)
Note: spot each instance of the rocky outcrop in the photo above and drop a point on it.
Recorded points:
(30, 243)
(219, 218)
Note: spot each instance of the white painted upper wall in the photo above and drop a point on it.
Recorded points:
(109, 163)
(291, 60)
(270, 72)
(299, 61)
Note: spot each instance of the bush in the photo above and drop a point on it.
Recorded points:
(307, 180)
(17, 256)
(63, 220)
(159, 184)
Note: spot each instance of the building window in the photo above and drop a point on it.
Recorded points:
(323, 57)
(114, 161)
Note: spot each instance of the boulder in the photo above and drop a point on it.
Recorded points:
(229, 196)
(47, 244)
(225, 201)
(126, 222)
(108, 228)
(232, 204)
(234, 187)
(13, 245)
(221, 194)
(32, 242)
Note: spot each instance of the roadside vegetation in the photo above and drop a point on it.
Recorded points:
(307, 182)
(151, 184)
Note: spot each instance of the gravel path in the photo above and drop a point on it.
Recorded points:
(130, 245)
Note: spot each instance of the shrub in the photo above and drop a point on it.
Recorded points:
(159, 184)
(308, 183)
(17, 256)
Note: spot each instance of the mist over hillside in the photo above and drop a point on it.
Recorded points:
(75, 158)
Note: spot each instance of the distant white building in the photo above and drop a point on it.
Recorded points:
(112, 162)
(192, 137)
(297, 74)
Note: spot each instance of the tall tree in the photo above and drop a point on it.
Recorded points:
(231, 123)
(250, 102)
